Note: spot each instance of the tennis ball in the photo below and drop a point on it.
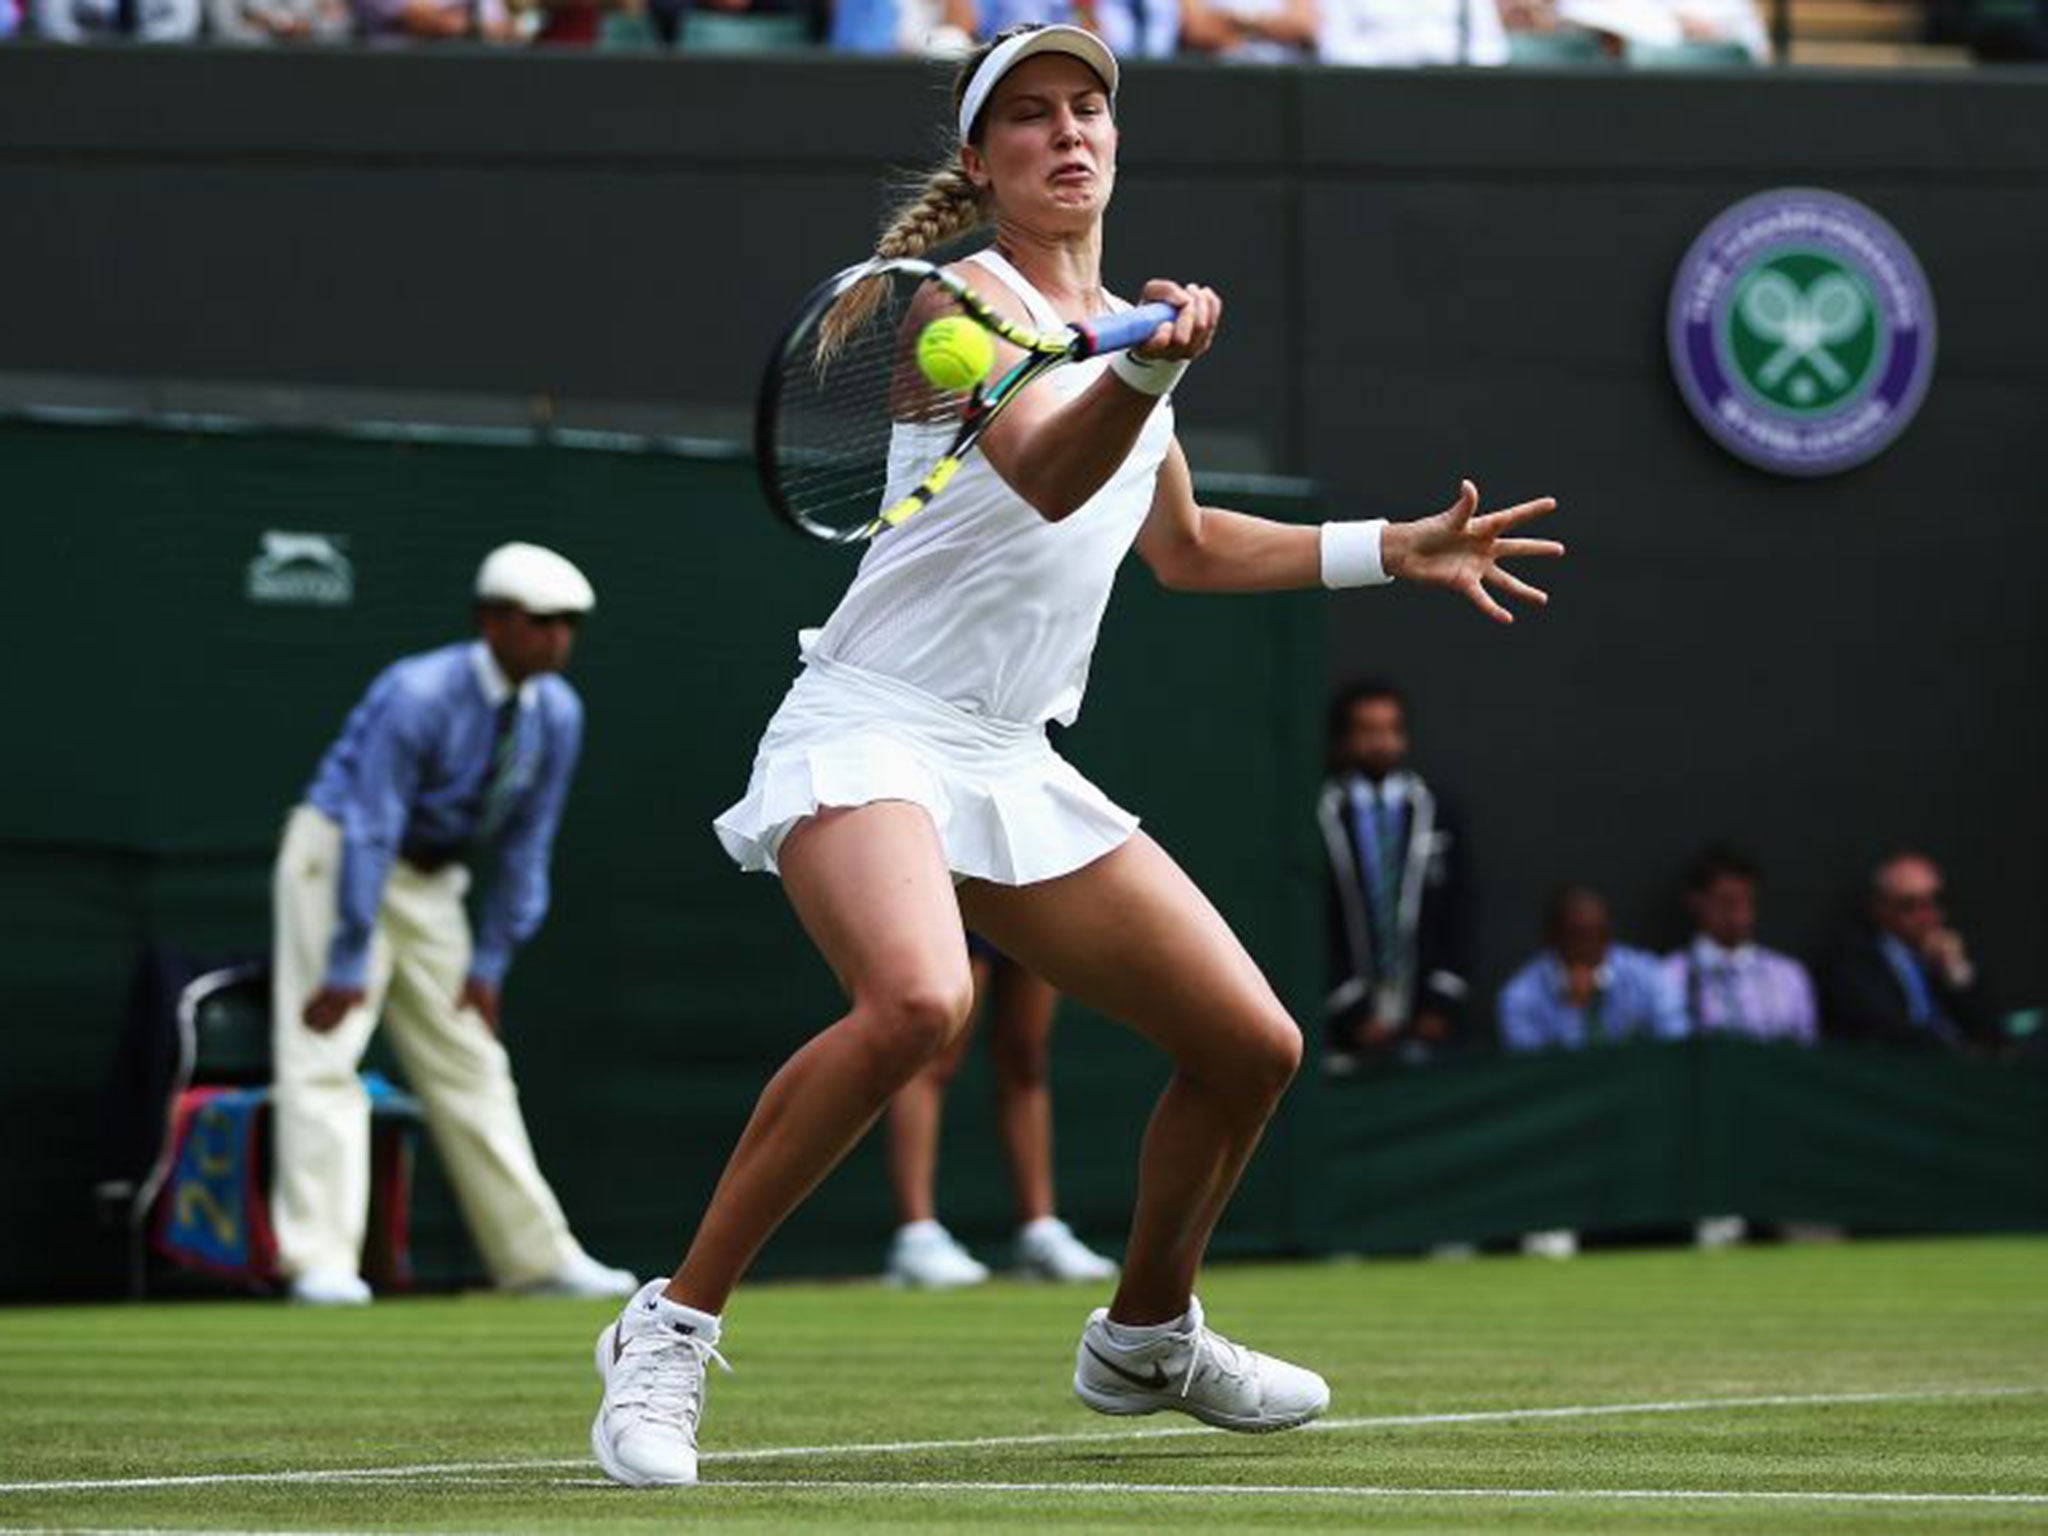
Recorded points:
(955, 353)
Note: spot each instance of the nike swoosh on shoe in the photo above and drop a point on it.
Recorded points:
(1156, 1382)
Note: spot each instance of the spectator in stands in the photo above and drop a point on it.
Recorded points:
(930, 28)
(1396, 895)
(10, 19)
(1729, 982)
(1664, 24)
(1249, 31)
(1584, 989)
(489, 21)
(1907, 977)
(278, 21)
(92, 21)
(1402, 33)
(1134, 28)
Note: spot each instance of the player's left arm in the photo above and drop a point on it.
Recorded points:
(1193, 548)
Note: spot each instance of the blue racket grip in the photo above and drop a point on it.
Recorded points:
(1113, 333)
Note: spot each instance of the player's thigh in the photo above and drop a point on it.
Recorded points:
(870, 885)
(1133, 937)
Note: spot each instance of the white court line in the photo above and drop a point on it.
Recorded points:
(459, 1469)
(1388, 1421)
(1346, 1491)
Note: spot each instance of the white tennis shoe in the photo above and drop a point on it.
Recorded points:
(653, 1369)
(1197, 1372)
(1048, 1250)
(925, 1255)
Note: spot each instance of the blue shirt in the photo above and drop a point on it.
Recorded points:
(1132, 28)
(411, 772)
(1633, 995)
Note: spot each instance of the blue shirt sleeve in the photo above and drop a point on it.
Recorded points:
(1521, 1015)
(1805, 1021)
(513, 908)
(372, 824)
(1668, 1019)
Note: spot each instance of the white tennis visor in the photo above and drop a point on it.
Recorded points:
(1077, 41)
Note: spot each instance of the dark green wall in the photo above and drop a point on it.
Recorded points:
(171, 723)
(1637, 1138)
(1820, 669)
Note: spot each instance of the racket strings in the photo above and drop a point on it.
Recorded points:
(849, 385)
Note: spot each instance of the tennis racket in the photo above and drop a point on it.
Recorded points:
(843, 402)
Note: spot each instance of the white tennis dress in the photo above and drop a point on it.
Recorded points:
(964, 632)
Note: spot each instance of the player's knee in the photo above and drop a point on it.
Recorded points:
(1267, 1057)
(910, 1024)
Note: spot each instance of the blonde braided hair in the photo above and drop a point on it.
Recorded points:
(944, 206)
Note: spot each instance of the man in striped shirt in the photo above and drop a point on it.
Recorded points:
(1730, 983)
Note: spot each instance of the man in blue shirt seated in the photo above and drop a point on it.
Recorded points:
(453, 754)
(1585, 989)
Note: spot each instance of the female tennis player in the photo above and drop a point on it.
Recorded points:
(906, 784)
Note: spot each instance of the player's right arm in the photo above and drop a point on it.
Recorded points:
(1057, 454)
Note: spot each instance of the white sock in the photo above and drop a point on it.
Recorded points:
(1137, 1335)
(702, 1325)
(916, 1231)
(1042, 1226)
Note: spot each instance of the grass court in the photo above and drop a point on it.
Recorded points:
(1875, 1386)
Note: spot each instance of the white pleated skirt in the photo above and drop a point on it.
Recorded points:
(1007, 807)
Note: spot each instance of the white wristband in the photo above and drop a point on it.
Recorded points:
(1351, 554)
(1146, 378)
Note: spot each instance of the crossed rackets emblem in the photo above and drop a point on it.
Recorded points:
(1804, 324)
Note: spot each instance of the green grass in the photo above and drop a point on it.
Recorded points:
(201, 1390)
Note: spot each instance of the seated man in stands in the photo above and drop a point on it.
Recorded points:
(435, 21)
(1622, 25)
(1584, 989)
(1249, 31)
(1406, 33)
(1729, 982)
(1906, 978)
(97, 21)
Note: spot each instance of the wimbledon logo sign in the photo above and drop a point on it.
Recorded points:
(1802, 332)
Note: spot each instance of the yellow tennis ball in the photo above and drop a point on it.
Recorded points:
(955, 353)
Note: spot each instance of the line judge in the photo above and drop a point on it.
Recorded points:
(454, 755)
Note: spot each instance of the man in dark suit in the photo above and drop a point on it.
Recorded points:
(1907, 978)
(1397, 901)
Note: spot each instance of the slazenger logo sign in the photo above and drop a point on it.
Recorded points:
(1802, 332)
(306, 569)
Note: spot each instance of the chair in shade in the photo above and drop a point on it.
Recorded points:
(742, 32)
(1705, 55)
(1566, 48)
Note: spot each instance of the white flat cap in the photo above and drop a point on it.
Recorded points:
(536, 579)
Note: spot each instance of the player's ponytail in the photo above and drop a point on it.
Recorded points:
(943, 207)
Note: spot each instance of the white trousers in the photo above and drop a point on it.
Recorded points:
(320, 1196)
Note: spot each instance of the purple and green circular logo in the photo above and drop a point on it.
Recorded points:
(1802, 332)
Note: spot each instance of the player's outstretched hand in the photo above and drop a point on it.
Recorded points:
(1463, 551)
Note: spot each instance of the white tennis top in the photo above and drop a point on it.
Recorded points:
(978, 600)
